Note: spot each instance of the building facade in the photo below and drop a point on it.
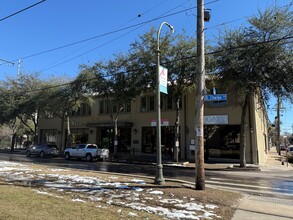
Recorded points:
(137, 128)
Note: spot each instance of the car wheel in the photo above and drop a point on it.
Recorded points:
(42, 154)
(28, 153)
(89, 157)
(67, 156)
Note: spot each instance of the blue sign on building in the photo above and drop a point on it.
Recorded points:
(216, 97)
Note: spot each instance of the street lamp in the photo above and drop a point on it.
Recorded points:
(159, 168)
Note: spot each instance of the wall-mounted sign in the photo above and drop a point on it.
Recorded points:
(77, 123)
(164, 122)
(163, 77)
(215, 97)
(216, 119)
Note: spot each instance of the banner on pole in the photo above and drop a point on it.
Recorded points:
(163, 79)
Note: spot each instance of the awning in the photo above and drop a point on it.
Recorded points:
(109, 124)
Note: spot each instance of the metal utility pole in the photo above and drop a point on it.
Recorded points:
(199, 100)
(18, 67)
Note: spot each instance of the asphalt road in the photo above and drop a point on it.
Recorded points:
(272, 183)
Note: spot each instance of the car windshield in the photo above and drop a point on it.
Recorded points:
(52, 146)
(291, 149)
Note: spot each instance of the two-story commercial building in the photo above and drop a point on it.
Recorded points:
(137, 127)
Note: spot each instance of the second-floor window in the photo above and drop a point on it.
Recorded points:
(105, 107)
(84, 109)
(148, 103)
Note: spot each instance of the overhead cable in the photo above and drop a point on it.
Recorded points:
(112, 32)
(184, 58)
(2, 19)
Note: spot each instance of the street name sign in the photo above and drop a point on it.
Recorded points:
(216, 97)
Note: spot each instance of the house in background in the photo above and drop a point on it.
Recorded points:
(137, 128)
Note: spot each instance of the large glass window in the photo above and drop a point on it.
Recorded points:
(48, 136)
(152, 103)
(84, 109)
(105, 107)
(79, 135)
(149, 140)
(169, 102)
(102, 106)
(222, 141)
(143, 106)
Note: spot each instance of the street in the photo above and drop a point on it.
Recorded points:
(266, 183)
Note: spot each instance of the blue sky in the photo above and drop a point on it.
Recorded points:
(54, 23)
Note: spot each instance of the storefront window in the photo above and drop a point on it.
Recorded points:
(149, 139)
(49, 136)
(124, 139)
(222, 141)
(80, 135)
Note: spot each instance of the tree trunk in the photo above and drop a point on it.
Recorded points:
(177, 122)
(115, 137)
(243, 131)
(62, 138)
(69, 139)
(13, 141)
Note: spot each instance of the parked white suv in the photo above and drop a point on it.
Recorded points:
(86, 151)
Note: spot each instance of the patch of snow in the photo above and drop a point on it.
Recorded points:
(138, 181)
(137, 189)
(171, 201)
(132, 214)
(156, 192)
(110, 191)
(78, 200)
(209, 206)
(191, 206)
(95, 199)
(58, 170)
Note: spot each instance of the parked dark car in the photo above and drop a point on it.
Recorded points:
(43, 150)
(283, 147)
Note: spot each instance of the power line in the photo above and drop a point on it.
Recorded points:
(239, 19)
(50, 66)
(2, 19)
(184, 58)
(88, 51)
(121, 29)
(6, 61)
(112, 32)
(108, 42)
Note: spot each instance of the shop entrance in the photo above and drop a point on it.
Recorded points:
(222, 141)
(124, 139)
(149, 140)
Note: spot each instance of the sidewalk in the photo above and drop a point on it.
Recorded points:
(254, 208)
(274, 161)
(266, 208)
